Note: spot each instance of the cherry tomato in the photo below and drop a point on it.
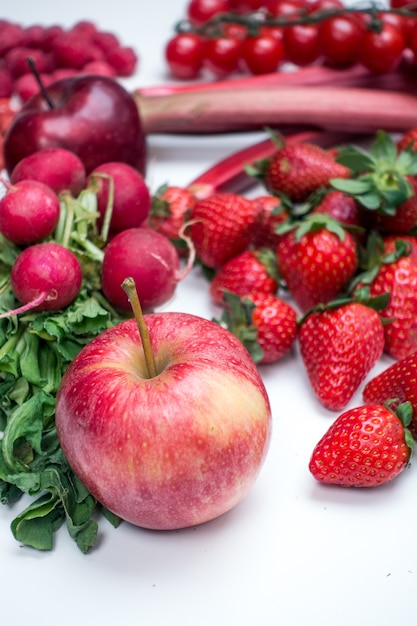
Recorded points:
(222, 55)
(339, 39)
(301, 43)
(233, 29)
(245, 6)
(262, 54)
(184, 55)
(382, 51)
(282, 8)
(324, 5)
(200, 11)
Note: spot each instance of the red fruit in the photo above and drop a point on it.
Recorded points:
(123, 60)
(408, 139)
(221, 227)
(276, 321)
(390, 243)
(396, 384)
(299, 169)
(399, 279)
(339, 347)
(365, 447)
(342, 208)
(264, 323)
(170, 208)
(248, 273)
(271, 213)
(404, 219)
(317, 264)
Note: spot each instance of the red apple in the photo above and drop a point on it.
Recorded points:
(173, 450)
(92, 116)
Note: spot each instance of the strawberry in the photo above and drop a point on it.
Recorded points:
(395, 274)
(404, 218)
(169, 209)
(249, 272)
(390, 244)
(339, 347)
(271, 214)
(221, 227)
(316, 259)
(297, 170)
(408, 140)
(264, 323)
(342, 208)
(365, 446)
(395, 384)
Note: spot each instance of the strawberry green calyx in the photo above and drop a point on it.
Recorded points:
(404, 412)
(237, 318)
(374, 256)
(361, 296)
(312, 223)
(268, 259)
(379, 177)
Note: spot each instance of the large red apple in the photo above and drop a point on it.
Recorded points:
(173, 450)
(92, 116)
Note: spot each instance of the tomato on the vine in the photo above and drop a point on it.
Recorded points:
(301, 43)
(284, 8)
(245, 6)
(200, 11)
(184, 55)
(381, 51)
(324, 5)
(262, 54)
(339, 39)
(222, 55)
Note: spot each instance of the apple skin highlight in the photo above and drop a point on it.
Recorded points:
(175, 450)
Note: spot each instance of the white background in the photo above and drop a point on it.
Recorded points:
(293, 552)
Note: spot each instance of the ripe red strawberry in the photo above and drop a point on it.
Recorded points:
(169, 210)
(397, 276)
(339, 347)
(221, 227)
(390, 243)
(249, 272)
(264, 323)
(408, 140)
(342, 208)
(403, 220)
(297, 170)
(396, 384)
(365, 446)
(316, 260)
(271, 214)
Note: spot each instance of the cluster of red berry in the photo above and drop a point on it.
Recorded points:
(223, 37)
(58, 52)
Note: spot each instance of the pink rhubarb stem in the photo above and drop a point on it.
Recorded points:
(229, 174)
(402, 79)
(346, 109)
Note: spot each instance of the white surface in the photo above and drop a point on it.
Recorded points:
(294, 552)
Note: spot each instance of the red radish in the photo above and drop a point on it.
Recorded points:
(150, 259)
(45, 277)
(60, 169)
(29, 212)
(126, 190)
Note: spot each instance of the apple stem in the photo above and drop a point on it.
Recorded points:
(130, 288)
(30, 61)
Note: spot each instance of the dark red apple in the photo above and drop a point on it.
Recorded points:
(92, 116)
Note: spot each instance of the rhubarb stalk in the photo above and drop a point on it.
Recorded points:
(402, 79)
(345, 109)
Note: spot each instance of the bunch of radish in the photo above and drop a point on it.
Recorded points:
(60, 223)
